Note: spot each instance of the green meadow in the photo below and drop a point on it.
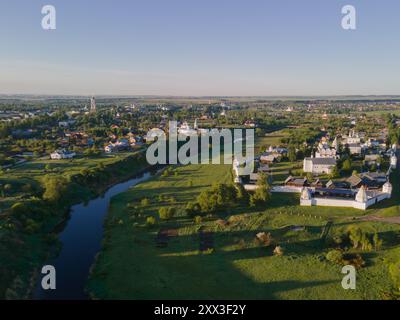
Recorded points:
(132, 265)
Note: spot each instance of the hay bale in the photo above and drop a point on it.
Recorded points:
(278, 251)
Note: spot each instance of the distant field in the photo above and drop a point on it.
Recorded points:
(273, 138)
(68, 166)
(33, 171)
(131, 266)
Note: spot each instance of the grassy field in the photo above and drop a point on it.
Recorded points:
(32, 173)
(272, 139)
(131, 266)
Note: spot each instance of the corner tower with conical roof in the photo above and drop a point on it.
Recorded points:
(361, 195)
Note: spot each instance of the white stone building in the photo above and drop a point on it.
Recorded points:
(355, 148)
(319, 165)
(62, 154)
(345, 198)
(325, 151)
(353, 137)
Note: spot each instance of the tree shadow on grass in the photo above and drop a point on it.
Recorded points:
(214, 276)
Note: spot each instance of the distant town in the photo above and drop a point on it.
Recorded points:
(324, 193)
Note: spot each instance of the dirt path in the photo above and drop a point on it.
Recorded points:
(380, 219)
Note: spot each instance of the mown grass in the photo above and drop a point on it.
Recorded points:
(131, 266)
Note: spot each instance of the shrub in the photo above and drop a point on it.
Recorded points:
(31, 226)
(335, 256)
(55, 187)
(19, 209)
(219, 196)
(355, 260)
(198, 219)
(346, 165)
(172, 200)
(151, 221)
(394, 270)
(262, 193)
(377, 242)
(166, 213)
(145, 202)
(192, 209)
(355, 236)
(208, 251)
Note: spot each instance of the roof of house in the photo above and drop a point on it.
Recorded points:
(337, 184)
(372, 157)
(374, 175)
(354, 180)
(322, 161)
(316, 182)
(270, 157)
(354, 145)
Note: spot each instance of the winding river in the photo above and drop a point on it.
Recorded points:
(81, 241)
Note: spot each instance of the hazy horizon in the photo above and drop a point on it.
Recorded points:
(202, 49)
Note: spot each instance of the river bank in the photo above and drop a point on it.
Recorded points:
(33, 250)
(81, 240)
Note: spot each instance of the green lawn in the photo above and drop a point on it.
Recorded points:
(131, 266)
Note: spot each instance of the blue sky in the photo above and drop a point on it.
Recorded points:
(200, 47)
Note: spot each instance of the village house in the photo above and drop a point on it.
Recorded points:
(337, 184)
(377, 144)
(62, 154)
(66, 124)
(353, 137)
(370, 180)
(354, 148)
(277, 150)
(269, 158)
(371, 159)
(319, 165)
(296, 182)
(325, 151)
(187, 130)
(263, 167)
(273, 154)
(251, 124)
(119, 145)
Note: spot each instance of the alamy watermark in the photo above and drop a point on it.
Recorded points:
(198, 145)
(349, 280)
(49, 279)
(49, 20)
(349, 21)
